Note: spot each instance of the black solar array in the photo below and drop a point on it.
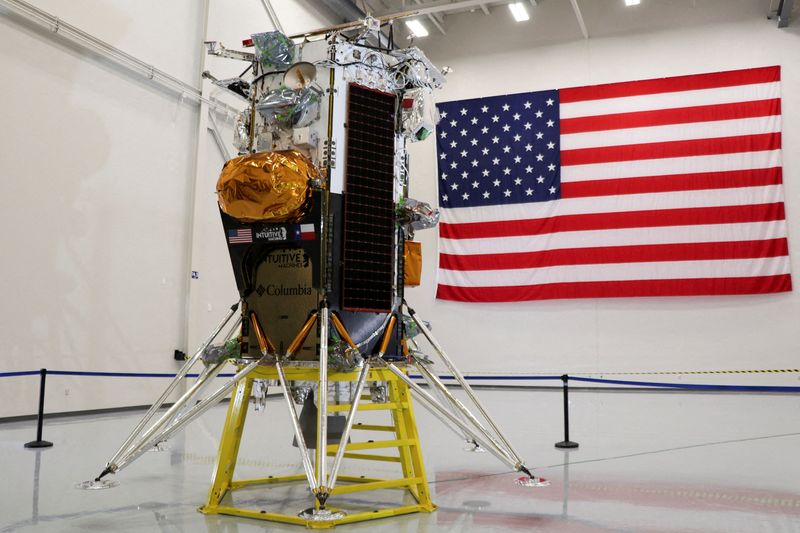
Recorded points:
(369, 207)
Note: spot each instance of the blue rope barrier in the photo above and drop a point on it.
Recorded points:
(652, 384)
(124, 374)
(690, 386)
(23, 373)
(493, 378)
(110, 374)
(104, 374)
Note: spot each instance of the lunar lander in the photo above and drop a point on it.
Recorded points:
(319, 229)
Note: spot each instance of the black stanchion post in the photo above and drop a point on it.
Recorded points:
(566, 443)
(39, 443)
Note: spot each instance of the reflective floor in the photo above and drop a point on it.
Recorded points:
(647, 462)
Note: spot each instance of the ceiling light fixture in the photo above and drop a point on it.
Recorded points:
(519, 11)
(417, 28)
(632, 2)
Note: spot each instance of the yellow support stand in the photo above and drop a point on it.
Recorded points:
(403, 437)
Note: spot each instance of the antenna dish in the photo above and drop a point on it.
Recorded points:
(300, 75)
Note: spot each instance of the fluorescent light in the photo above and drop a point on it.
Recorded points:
(519, 11)
(632, 2)
(417, 28)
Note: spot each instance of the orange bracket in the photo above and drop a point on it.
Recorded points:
(301, 335)
(387, 335)
(337, 323)
(264, 344)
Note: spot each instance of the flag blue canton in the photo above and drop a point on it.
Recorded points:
(499, 150)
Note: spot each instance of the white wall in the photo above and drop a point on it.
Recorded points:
(98, 169)
(492, 55)
(100, 211)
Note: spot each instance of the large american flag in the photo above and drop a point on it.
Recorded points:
(660, 187)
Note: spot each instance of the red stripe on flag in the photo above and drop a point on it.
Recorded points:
(660, 150)
(630, 219)
(667, 85)
(664, 117)
(696, 251)
(675, 182)
(611, 289)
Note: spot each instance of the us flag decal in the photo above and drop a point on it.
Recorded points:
(240, 236)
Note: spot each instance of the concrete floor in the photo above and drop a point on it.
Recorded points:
(647, 462)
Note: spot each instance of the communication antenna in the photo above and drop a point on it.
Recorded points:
(300, 75)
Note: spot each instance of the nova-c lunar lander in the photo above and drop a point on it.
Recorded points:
(319, 230)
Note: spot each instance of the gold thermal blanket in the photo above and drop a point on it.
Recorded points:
(267, 186)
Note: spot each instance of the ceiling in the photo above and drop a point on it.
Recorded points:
(440, 16)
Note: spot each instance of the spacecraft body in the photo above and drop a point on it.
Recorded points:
(318, 212)
(319, 230)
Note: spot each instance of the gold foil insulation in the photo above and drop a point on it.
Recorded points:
(266, 186)
(412, 261)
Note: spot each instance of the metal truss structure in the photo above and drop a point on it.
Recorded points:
(322, 467)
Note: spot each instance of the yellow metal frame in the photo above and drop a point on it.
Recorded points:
(402, 433)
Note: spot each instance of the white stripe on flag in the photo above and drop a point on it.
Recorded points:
(750, 231)
(672, 132)
(672, 165)
(725, 268)
(671, 100)
(616, 204)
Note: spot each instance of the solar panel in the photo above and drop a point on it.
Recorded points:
(368, 200)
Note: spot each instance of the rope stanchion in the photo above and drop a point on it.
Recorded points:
(566, 443)
(39, 443)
